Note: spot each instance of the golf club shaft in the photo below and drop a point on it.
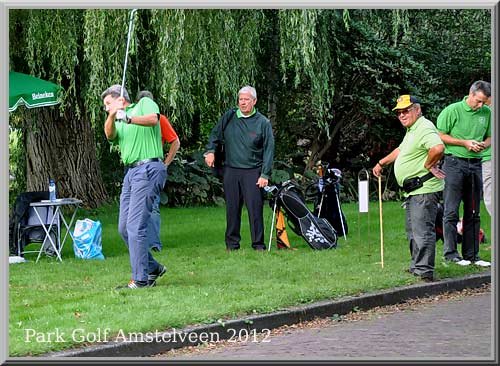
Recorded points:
(321, 204)
(381, 221)
(272, 225)
(340, 213)
(130, 26)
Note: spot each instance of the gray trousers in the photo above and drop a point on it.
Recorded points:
(463, 182)
(421, 211)
(486, 167)
(141, 187)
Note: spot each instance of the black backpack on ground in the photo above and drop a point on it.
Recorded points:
(317, 232)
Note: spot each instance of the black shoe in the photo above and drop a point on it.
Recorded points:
(427, 278)
(152, 277)
(133, 285)
(232, 249)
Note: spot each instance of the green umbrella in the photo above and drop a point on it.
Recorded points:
(31, 91)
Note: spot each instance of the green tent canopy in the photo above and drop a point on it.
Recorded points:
(31, 91)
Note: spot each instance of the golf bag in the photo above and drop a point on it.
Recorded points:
(327, 201)
(317, 232)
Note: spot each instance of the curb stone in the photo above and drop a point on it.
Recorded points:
(164, 342)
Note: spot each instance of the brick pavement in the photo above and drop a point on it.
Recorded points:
(455, 329)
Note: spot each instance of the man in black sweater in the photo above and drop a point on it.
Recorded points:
(249, 149)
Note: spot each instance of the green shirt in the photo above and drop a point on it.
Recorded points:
(139, 142)
(460, 121)
(419, 138)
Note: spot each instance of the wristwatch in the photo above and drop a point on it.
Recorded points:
(129, 120)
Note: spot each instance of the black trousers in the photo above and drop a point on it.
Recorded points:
(240, 187)
(463, 183)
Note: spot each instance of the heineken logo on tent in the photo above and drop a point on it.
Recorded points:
(31, 92)
(43, 95)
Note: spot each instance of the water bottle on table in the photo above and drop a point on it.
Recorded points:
(52, 190)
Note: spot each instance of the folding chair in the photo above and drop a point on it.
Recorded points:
(32, 231)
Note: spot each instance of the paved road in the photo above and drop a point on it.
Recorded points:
(457, 328)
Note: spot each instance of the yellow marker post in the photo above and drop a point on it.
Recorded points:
(381, 221)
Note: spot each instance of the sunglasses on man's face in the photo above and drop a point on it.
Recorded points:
(404, 112)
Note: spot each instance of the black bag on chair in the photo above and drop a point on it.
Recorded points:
(21, 232)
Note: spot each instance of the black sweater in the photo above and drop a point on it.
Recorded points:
(249, 142)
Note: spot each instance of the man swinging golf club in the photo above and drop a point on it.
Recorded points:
(135, 128)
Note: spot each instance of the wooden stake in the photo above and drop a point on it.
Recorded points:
(381, 221)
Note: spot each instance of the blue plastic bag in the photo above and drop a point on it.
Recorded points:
(87, 239)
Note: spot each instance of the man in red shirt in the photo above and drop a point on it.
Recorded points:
(168, 135)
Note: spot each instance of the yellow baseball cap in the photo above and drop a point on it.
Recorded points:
(404, 101)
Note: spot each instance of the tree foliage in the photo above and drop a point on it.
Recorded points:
(327, 78)
(59, 141)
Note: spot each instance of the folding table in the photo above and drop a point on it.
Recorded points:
(71, 205)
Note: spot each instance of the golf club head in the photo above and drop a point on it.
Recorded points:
(270, 189)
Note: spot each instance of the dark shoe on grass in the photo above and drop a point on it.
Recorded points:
(152, 277)
(133, 285)
(428, 278)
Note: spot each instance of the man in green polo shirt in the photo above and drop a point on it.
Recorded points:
(416, 168)
(135, 129)
(249, 147)
(465, 128)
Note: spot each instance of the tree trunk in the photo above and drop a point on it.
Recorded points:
(63, 148)
(318, 149)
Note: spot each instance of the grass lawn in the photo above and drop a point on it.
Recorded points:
(204, 283)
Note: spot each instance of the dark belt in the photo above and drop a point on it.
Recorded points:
(470, 160)
(142, 162)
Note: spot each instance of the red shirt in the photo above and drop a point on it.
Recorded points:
(167, 132)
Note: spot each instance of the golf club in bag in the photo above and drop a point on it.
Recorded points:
(317, 232)
(326, 192)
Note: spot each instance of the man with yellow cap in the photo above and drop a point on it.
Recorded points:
(416, 169)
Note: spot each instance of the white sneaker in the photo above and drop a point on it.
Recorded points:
(482, 263)
(463, 262)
